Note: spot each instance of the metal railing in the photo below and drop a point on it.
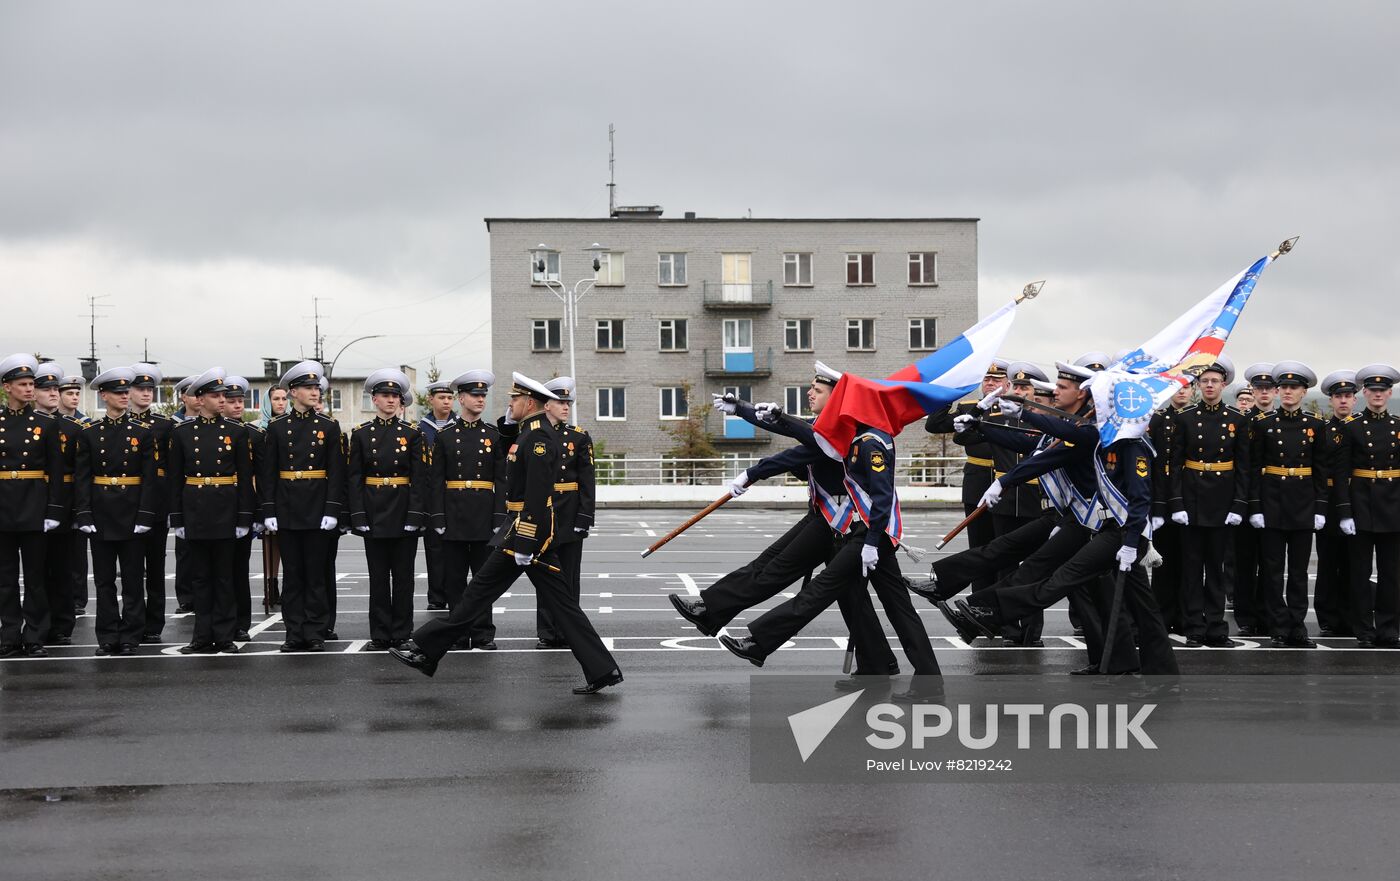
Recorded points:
(916, 470)
(732, 295)
(715, 368)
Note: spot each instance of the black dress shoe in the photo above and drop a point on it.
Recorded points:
(1391, 643)
(59, 639)
(8, 650)
(126, 649)
(227, 648)
(486, 645)
(409, 653)
(1194, 642)
(1248, 631)
(198, 648)
(242, 636)
(184, 608)
(551, 644)
(1086, 670)
(925, 587)
(1079, 631)
(918, 696)
(331, 636)
(105, 648)
(315, 645)
(35, 650)
(1365, 643)
(291, 645)
(964, 628)
(436, 607)
(857, 681)
(151, 639)
(598, 685)
(1300, 642)
(1223, 642)
(981, 617)
(692, 611)
(1277, 642)
(379, 645)
(745, 648)
(1326, 631)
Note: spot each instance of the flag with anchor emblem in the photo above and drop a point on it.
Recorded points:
(1143, 380)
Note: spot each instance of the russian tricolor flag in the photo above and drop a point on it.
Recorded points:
(926, 386)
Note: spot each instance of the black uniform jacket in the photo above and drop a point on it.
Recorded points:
(114, 478)
(303, 477)
(467, 480)
(1209, 471)
(1367, 472)
(211, 478)
(1289, 464)
(31, 469)
(387, 480)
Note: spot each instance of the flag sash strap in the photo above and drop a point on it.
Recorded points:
(1066, 498)
(861, 499)
(1112, 496)
(838, 514)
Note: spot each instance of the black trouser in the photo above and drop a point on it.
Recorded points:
(437, 576)
(304, 587)
(1006, 552)
(154, 542)
(1249, 609)
(215, 606)
(808, 544)
(571, 561)
(59, 547)
(242, 582)
(1332, 590)
(332, 549)
(1139, 608)
(26, 621)
(980, 532)
(844, 575)
(1375, 607)
(185, 587)
(391, 586)
(79, 572)
(1025, 630)
(1285, 601)
(1167, 578)
(124, 623)
(461, 562)
(438, 635)
(1203, 552)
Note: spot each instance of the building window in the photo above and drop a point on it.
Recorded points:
(673, 403)
(797, 270)
(544, 266)
(670, 269)
(923, 268)
(860, 269)
(742, 392)
(797, 335)
(612, 403)
(610, 335)
(860, 334)
(795, 401)
(367, 403)
(610, 270)
(923, 333)
(545, 335)
(335, 399)
(255, 398)
(674, 335)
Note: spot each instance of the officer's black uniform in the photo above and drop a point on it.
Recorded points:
(115, 488)
(60, 574)
(1251, 616)
(1167, 579)
(328, 633)
(574, 494)
(1370, 455)
(1332, 587)
(31, 491)
(211, 498)
(387, 487)
(243, 547)
(154, 542)
(1289, 463)
(532, 465)
(1208, 479)
(978, 473)
(432, 541)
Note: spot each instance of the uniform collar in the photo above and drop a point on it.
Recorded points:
(1373, 415)
(208, 420)
(298, 414)
(1290, 414)
(1212, 408)
(380, 420)
(110, 421)
(27, 408)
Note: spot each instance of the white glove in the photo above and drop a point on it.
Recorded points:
(727, 404)
(1152, 559)
(50, 525)
(992, 495)
(1126, 558)
(1233, 519)
(357, 528)
(1348, 526)
(270, 524)
(767, 411)
(1052, 532)
(328, 523)
(524, 559)
(238, 531)
(961, 423)
(1319, 521)
(990, 401)
(1157, 523)
(869, 558)
(1256, 520)
(508, 419)
(413, 529)
(440, 530)
(89, 530)
(1009, 408)
(580, 529)
(739, 485)
(178, 532)
(1181, 518)
(258, 529)
(141, 530)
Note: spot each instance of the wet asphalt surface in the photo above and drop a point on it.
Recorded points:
(348, 765)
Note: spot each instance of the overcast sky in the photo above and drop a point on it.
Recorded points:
(210, 168)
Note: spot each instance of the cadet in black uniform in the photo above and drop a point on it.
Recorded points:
(235, 401)
(438, 417)
(31, 504)
(211, 508)
(70, 394)
(387, 487)
(60, 573)
(303, 483)
(574, 493)
(1289, 463)
(185, 587)
(1207, 495)
(1370, 506)
(114, 504)
(1166, 533)
(143, 393)
(525, 545)
(1332, 587)
(1251, 617)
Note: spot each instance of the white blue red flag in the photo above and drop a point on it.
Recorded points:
(926, 386)
(1128, 392)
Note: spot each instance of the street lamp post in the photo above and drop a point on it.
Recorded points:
(569, 296)
(330, 367)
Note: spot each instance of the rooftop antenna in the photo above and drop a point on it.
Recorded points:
(90, 362)
(612, 180)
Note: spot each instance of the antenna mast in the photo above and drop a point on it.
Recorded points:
(612, 180)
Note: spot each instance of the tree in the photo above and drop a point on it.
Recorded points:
(434, 374)
(692, 440)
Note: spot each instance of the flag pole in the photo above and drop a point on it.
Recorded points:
(710, 509)
(976, 512)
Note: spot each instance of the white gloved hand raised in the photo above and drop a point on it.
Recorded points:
(270, 524)
(509, 420)
(1319, 521)
(1009, 408)
(727, 403)
(1181, 518)
(1256, 520)
(990, 401)
(1233, 519)
(1126, 558)
(328, 523)
(1157, 523)
(1348, 526)
(739, 485)
(992, 495)
(964, 422)
(767, 411)
(524, 559)
(238, 531)
(869, 558)
(89, 530)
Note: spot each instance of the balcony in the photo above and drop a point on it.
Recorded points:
(738, 365)
(729, 297)
(728, 431)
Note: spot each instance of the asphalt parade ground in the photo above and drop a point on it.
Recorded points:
(346, 764)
